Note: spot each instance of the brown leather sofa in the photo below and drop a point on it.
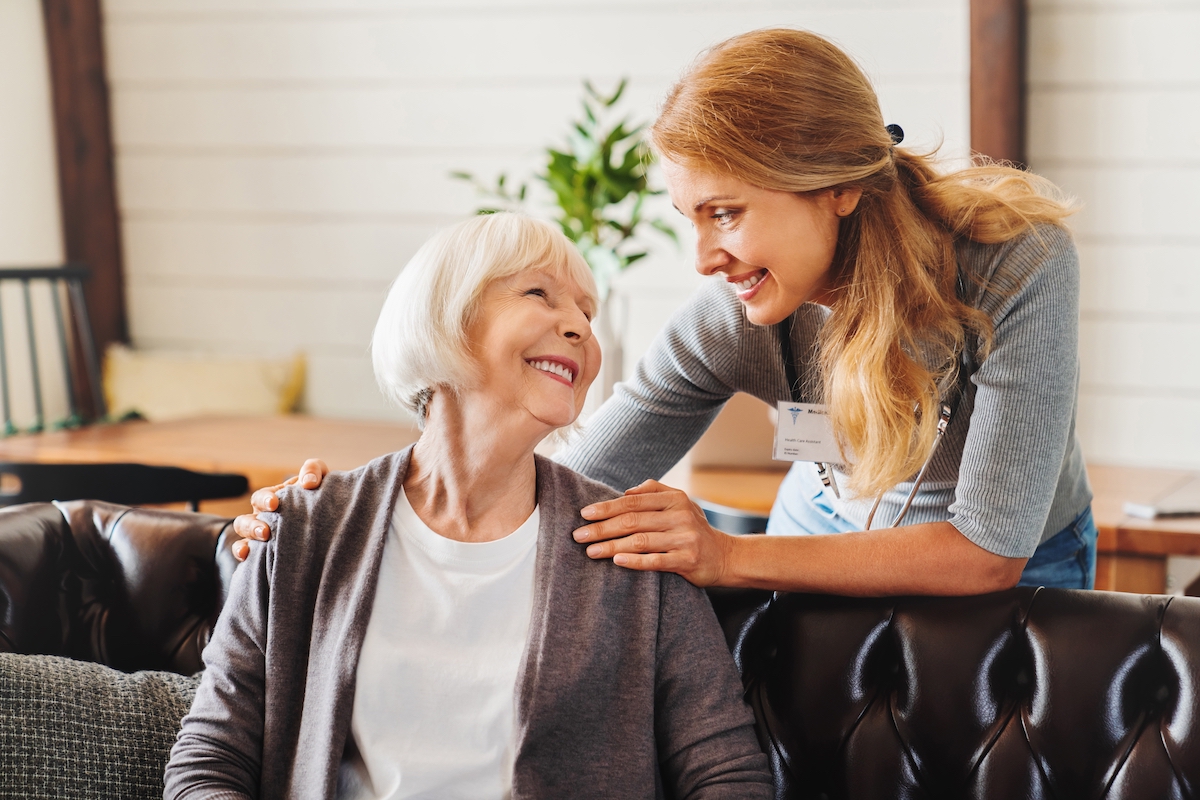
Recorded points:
(1025, 693)
(131, 588)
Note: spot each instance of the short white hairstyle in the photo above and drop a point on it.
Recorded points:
(420, 342)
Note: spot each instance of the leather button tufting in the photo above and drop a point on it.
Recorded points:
(132, 588)
(1024, 693)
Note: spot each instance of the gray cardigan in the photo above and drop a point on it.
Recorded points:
(1010, 473)
(627, 688)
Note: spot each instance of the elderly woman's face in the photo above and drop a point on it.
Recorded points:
(536, 351)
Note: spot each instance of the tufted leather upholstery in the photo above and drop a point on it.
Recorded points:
(1026, 693)
(132, 588)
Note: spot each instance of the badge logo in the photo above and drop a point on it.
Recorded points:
(795, 412)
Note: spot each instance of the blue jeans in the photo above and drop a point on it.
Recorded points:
(1066, 560)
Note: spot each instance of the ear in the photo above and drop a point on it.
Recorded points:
(845, 200)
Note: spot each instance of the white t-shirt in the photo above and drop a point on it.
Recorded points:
(435, 688)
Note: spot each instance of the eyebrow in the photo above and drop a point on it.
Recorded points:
(712, 199)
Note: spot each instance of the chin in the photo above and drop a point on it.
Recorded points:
(766, 315)
(558, 419)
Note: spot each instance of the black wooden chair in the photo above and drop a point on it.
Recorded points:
(77, 355)
(126, 484)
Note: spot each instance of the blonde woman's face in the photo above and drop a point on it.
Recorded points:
(774, 248)
(535, 349)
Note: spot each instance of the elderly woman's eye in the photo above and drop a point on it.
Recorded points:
(536, 292)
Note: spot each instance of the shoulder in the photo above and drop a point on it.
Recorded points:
(999, 272)
(1034, 249)
(340, 488)
(341, 500)
(563, 491)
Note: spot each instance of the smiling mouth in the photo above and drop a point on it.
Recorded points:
(554, 369)
(745, 283)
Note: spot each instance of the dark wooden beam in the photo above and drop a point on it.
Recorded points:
(998, 79)
(86, 181)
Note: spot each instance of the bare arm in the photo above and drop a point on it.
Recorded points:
(656, 527)
(929, 559)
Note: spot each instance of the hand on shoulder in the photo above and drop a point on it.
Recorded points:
(249, 527)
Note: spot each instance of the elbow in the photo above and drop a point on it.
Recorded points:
(196, 769)
(1000, 573)
(980, 571)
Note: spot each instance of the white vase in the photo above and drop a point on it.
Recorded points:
(608, 327)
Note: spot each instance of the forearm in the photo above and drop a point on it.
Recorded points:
(680, 384)
(928, 559)
(624, 443)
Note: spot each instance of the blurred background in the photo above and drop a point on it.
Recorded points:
(278, 161)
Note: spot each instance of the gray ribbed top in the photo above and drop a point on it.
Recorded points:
(1010, 473)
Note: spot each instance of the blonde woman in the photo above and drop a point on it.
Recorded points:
(933, 313)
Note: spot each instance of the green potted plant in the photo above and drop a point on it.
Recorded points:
(599, 185)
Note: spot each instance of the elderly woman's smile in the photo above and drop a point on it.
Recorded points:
(558, 367)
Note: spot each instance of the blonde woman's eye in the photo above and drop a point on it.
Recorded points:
(723, 216)
(536, 293)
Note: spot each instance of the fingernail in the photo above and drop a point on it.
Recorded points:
(593, 550)
(309, 480)
(620, 560)
(239, 549)
(259, 530)
(580, 535)
(588, 512)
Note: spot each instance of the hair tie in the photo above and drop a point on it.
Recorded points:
(897, 134)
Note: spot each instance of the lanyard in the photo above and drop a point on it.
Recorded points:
(825, 471)
(789, 366)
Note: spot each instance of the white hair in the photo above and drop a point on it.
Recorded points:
(420, 342)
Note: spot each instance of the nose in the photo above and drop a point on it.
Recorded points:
(575, 325)
(710, 257)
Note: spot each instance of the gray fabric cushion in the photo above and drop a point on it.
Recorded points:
(74, 729)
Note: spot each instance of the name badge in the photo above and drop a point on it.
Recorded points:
(804, 433)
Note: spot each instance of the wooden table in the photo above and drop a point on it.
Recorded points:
(1131, 553)
(267, 450)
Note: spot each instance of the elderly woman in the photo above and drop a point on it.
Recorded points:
(425, 626)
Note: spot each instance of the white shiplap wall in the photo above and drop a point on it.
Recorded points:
(1115, 120)
(30, 228)
(279, 160)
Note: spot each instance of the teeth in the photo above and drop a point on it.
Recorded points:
(749, 282)
(554, 368)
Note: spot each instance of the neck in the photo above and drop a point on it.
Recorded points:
(471, 477)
